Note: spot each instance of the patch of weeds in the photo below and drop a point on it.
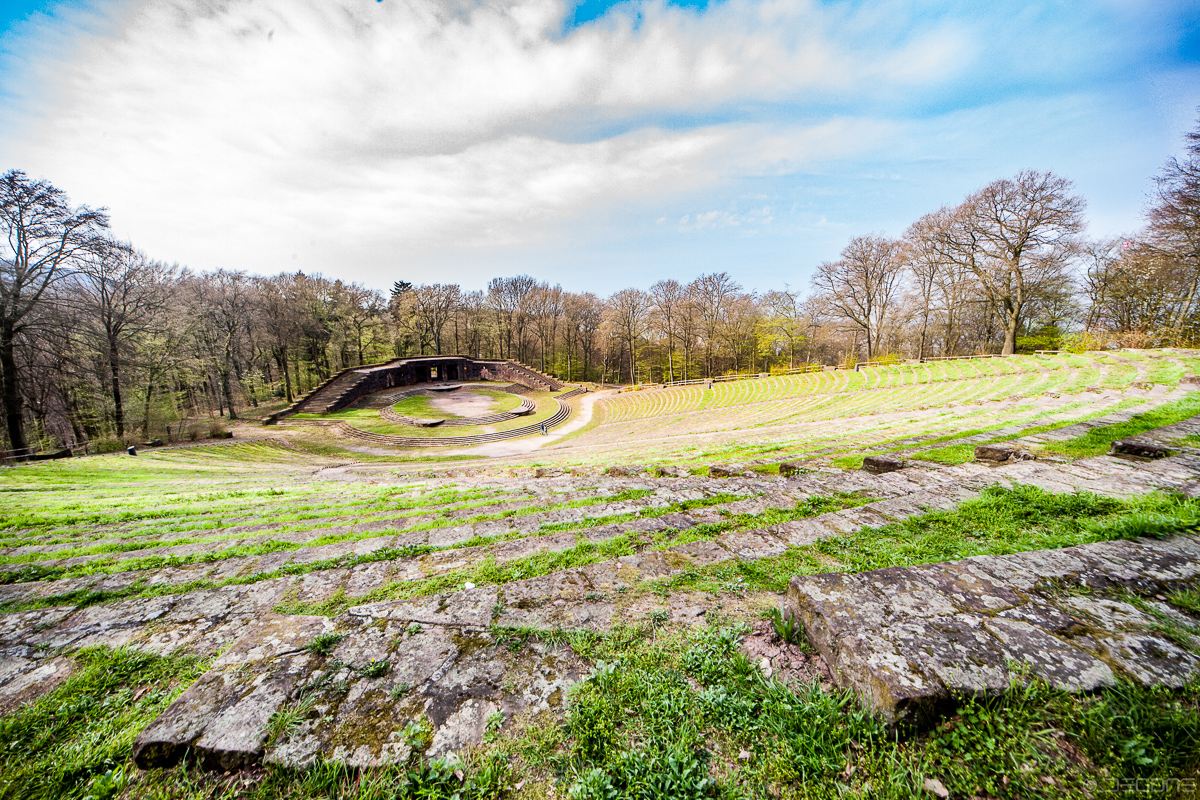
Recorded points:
(492, 725)
(787, 626)
(375, 669)
(1156, 517)
(399, 691)
(286, 721)
(1004, 747)
(1187, 599)
(1002, 520)
(324, 643)
(848, 461)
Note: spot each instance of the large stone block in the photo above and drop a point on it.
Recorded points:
(878, 465)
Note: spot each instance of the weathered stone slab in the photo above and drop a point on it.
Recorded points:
(567, 585)
(751, 545)
(1141, 446)
(725, 471)
(24, 676)
(801, 532)
(1149, 659)
(471, 608)
(1062, 666)
(273, 636)
(1110, 615)
(907, 639)
(967, 586)
(1042, 615)
(699, 554)
(851, 520)
(165, 741)
(896, 508)
(235, 736)
(454, 680)
(834, 605)
(878, 465)
(885, 679)
(1001, 452)
(906, 594)
(956, 650)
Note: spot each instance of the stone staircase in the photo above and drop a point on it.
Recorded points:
(326, 397)
(445, 657)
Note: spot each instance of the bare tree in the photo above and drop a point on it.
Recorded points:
(124, 295)
(862, 285)
(712, 295)
(44, 239)
(1016, 233)
(546, 307)
(667, 296)
(1174, 222)
(785, 320)
(630, 309)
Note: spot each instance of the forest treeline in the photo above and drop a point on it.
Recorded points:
(100, 342)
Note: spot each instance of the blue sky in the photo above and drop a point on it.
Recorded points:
(598, 146)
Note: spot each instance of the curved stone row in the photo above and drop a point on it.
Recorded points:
(526, 407)
(559, 416)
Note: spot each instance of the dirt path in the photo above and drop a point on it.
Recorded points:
(515, 447)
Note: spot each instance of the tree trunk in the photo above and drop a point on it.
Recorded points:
(12, 396)
(281, 359)
(118, 406)
(150, 379)
(228, 392)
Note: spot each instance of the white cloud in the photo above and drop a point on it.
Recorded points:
(748, 221)
(221, 132)
(352, 132)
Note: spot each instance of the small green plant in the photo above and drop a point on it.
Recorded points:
(375, 668)
(787, 626)
(286, 721)
(324, 643)
(399, 690)
(492, 725)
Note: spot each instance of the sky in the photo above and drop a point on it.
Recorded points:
(599, 145)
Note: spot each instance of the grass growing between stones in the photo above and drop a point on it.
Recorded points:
(75, 741)
(685, 714)
(487, 571)
(1096, 441)
(1001, 521)
(664, 715)
(965, 451)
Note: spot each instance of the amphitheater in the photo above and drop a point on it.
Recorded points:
(453, 567)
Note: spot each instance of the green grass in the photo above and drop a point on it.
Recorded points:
(75, 741)
(1097, 441)
(686, 715)
(1166, 372)
(964, 452)
(1003, 520)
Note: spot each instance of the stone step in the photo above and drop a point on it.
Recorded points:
(449, 663)
(910, 641)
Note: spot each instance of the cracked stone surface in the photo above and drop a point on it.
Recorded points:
(451, 672)
(909, 640)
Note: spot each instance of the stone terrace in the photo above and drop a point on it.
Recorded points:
(407, 636)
